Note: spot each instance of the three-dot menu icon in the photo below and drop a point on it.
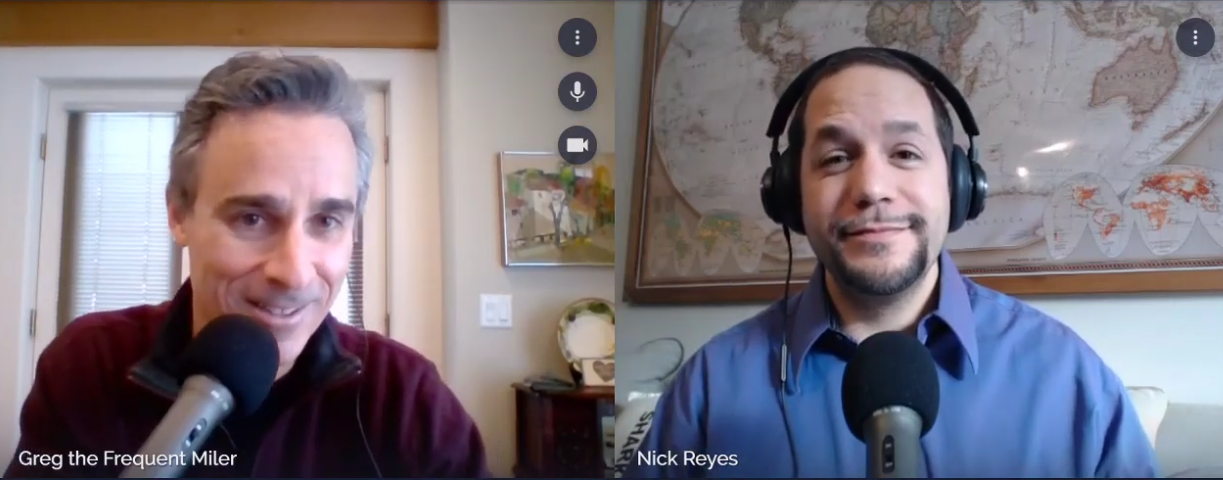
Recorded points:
(1195, 37)
(577, 37)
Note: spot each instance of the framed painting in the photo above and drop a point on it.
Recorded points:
(557, 214)
(1113, 188)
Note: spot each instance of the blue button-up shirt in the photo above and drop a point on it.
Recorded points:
(1021, 396)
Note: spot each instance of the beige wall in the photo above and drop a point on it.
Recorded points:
(500, 66)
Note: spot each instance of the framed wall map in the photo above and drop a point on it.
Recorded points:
(1099, 136)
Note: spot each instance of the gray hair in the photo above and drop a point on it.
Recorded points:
(256, 81)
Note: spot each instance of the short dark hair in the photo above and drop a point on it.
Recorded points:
(878, 58)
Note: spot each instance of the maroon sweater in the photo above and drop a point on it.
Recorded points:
(106, 381)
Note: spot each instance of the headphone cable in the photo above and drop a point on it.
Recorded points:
(785, 354)
(373, 460)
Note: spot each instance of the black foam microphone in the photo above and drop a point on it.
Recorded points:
(229, 366)
(890, 395)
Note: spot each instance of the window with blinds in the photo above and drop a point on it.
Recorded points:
(117, 251)
(348, 304)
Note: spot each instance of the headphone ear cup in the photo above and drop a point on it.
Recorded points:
(779, 193)
(789, 197)
(768, 195)
(980, 190)
(959, 171)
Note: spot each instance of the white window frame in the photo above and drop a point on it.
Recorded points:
(31, 77)
(61, 102)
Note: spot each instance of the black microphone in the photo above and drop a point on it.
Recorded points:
(229, 366)
(890, 396)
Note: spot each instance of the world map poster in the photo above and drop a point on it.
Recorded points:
(1099, 139)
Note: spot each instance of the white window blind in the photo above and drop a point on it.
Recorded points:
(118, 251)
(348, 304)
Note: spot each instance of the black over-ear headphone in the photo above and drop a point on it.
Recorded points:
(779, 187)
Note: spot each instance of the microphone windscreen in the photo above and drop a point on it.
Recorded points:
(889, 369)
(238, 352)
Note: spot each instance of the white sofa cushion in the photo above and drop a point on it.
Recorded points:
(1189, 439)
(1151, 404)
(632, 423)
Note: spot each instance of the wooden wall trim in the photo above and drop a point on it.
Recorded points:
(280, 23)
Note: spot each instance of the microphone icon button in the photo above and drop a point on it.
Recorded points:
(577, 91)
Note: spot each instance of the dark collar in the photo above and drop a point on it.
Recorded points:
(814, 316)
(323, 360)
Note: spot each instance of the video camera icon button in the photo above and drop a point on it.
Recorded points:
(577, 145)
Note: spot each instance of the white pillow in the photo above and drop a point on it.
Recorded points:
(632, 423)
(1151, 404)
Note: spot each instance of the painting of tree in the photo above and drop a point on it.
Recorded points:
(554, 213)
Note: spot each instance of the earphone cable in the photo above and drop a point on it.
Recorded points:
(784, 358)
(373, 460)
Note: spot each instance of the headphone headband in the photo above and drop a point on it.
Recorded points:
(798, 87)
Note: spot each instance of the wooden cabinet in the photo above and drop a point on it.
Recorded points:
(560, 433)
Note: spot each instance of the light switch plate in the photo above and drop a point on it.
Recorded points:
(507, 311)
(495, 311)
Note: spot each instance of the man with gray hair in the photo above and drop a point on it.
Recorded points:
(269, 173)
